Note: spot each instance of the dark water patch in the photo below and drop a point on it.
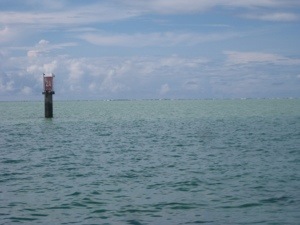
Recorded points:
(78, 204)
(19, 204)
(63, 206)
(76, 193)
(11, 175)
(42, 149)
(246, 205)
(96, 193)
(30, 209)
(249, 205)
(100, 211)
(13, 161)
(89, 201)
(201, 222)
(21, 219)
(282, 199)
(39, 214)
(134, 222)
(134, 210)
(176, 206)
(256, 222)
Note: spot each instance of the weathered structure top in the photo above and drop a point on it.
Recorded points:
(48, 83)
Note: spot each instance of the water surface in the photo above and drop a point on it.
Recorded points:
(151, 162)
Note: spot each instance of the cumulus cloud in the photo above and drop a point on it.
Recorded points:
(191, 85)
(175, 60)
(50, 67)
(167, 54)
(32, 53)
(76, 70)
(26, 90)
(124, 77)
(6, 86)
(7, 34)
(164, 89)
(40, 48)
(44, 47)
(111, 84)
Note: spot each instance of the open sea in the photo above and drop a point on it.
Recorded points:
(151, 162)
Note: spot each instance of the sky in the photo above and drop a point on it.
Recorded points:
(150, 49)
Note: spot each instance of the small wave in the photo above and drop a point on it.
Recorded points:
(246, 205)
(76, 193)
(100, 211)
(89, 201)
(39, 214)
(22, 219)
(176, 205)
(275, 199)
(134, 222)
(13, 161)
(63, 206)
(78, 204)
(200, 221)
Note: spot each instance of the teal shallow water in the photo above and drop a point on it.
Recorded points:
(151, 162)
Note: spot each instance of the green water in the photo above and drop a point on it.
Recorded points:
(151, 162)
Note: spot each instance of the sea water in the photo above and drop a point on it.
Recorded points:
(151, 162)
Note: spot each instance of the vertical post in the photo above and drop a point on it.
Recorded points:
(48, 92)
(48, 105)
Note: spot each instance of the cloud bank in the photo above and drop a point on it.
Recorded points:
(150, 49)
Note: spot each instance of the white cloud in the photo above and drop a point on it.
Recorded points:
(33, 69)
(171, 6)
(148, 77)
(276, 16)
(259, 3)
(7, 34)
(164, 89)
(164, 39)
(193, 6)
(26, 90)
(6, 86)
(76, 70)
(67, 16)
(111, 84)
(192, 85)
(92, 87)
(44, 4)
(234, 57)
(32, 53)
(176, 61)
(43, 42)
(53, 15)
(40, 48)
(50, 67)
(44, 46)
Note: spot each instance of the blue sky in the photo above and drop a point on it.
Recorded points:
(150, 49)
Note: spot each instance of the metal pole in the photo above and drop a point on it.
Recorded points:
(48, 105)
(48, 92)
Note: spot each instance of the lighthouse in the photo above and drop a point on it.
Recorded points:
(48, 92)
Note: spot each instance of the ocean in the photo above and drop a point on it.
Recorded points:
(151, 162)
